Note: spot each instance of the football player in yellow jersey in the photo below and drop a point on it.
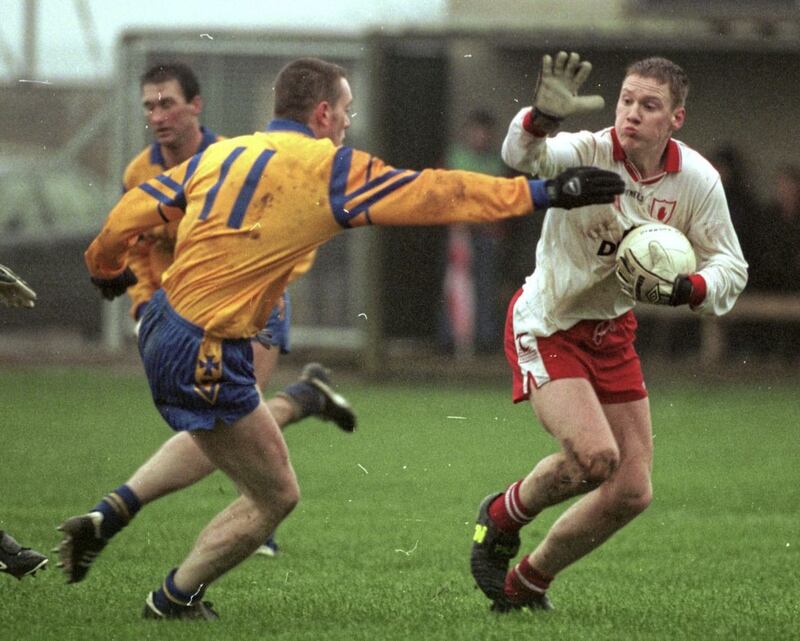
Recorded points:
(251, 208)
(172, 104)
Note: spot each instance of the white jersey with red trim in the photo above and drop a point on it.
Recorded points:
(574, 278)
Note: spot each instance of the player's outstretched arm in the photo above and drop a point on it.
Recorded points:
(15, 292)
(440, 197)
(556, 95)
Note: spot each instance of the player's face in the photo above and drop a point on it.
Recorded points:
(340, 114)
(169, 116)
(645, 116)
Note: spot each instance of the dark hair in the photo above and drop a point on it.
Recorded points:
(664, 71)
(173, 71)
(304, 83)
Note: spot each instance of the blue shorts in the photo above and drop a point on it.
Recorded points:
(276, 331)
(195, 380)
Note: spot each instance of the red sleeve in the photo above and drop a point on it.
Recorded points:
(527, 125)
(698, 289)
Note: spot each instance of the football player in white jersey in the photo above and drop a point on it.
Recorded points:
(570, 329)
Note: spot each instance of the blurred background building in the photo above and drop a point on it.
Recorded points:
(70, 119)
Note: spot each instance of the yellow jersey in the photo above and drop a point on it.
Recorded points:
(251, 208)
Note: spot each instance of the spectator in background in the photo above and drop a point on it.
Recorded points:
(776, 259)
(743, 205)
(472, 311)
(775, 263)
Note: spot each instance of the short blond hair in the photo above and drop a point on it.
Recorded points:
(664, 71)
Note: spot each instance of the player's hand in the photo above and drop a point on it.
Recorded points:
(110, 288)
(15, 292)
(581, 186)
(556, 95)
(647, 287)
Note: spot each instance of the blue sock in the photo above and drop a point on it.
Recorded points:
(169, 597)
(308, 397)
(117, 508)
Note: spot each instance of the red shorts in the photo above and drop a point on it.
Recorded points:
(602, 352)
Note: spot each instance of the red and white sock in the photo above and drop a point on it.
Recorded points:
(507, 510)
(523, 581)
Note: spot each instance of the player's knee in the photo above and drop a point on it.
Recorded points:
(277, 498)
(630, 502)
(290, 499)
(597, 467)
(285, 498)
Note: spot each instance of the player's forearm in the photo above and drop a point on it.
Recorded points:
(722, 264)
(545, 157)
(522, 150)
(440, 197)
(107, 255)
(725, 279)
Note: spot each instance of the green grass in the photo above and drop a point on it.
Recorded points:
(378, 547)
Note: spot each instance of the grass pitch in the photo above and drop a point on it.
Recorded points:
(378, 548)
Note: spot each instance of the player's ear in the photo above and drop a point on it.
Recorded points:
(197, 105)
(321, 115)
(678, 117)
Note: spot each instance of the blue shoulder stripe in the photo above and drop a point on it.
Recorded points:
(381, 194)
(179, 200)
(371, 184)
(168, 182)
(338, 183)
(249, 188)
(192, 167)
(211, 196)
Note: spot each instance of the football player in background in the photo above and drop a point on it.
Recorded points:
(570, 328)
(252, 208)
(15, 559)
(172, 106)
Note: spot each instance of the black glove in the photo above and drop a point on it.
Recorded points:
(681, 291)
(110, 288)
(581, 186)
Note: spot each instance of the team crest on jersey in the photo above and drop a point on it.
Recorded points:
(662, 210)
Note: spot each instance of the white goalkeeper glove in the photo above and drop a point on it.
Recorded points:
(648, 287)
(556, 92)
(15, 292)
